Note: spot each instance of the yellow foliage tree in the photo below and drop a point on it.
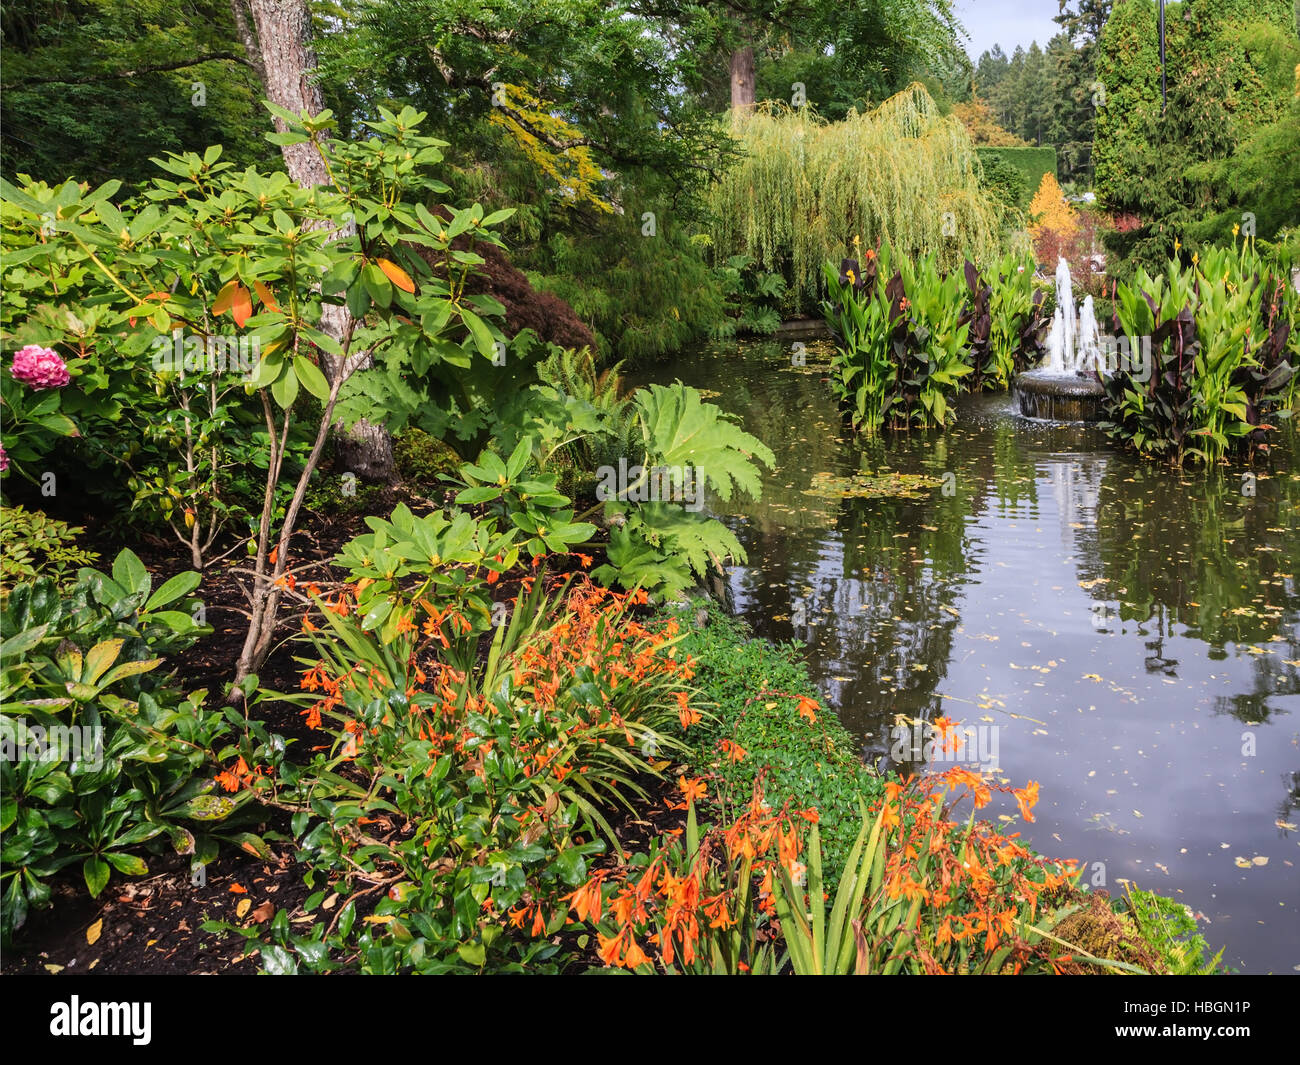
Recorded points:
(1051, 211)
(552, 144)
(978, 119)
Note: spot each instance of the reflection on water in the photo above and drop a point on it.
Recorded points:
(1132, 631)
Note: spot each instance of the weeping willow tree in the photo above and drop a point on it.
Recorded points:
(804, 188)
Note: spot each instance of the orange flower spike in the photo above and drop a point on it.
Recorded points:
(693, 789)
(1027, 799)
(610, 948)
(635, 956)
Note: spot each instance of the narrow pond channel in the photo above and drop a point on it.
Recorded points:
(1126, 634)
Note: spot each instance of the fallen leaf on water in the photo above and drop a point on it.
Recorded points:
(54, 968)
(1241, 863)
(1260, 860)
(93, 932)
(1093, 677)
(1285, 825)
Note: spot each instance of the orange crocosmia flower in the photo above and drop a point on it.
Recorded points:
(1027, 799)
(585, 560)
(586, 901)
(493, 576)
(610, 948)
(539, 923)
(734, 751)
(685, 712)
(238, 889)
(947, 729)
(635, 956)
(810, 815)
(808, 709)
(693, 789)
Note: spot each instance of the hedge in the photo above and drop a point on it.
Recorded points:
(1032, 162)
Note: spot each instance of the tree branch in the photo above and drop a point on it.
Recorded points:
(179, 64)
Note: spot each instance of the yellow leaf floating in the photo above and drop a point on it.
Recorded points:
(94, 931)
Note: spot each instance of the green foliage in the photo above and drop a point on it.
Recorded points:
(1017, 323)
(35, 545)
(531, 504)
(1231, 80)
(901, 340)
(408, 558)
(1169, 927)
(104, 73)
(642, 295)
(686, 445)
(804, 189)
(750, 687)
(102, 753)
(754, 297)
(215, 241)
(507, 769)
(1223, 357)
(1029, 164)
(422, 459)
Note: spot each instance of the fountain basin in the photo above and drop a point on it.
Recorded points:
(1060, 397)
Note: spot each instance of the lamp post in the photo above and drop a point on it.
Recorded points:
(1164, 97)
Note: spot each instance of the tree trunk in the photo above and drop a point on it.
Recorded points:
(244, 31)
(742, 80)
(284, 37)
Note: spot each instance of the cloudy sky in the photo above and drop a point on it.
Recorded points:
(1006, 22)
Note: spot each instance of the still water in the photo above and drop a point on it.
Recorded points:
(1125, 634)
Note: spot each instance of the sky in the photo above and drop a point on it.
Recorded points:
(1006, 22)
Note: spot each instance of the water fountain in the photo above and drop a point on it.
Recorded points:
(1066, 388)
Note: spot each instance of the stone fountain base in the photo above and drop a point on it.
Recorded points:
(1060, 397)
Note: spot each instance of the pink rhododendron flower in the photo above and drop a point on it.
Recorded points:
(4, 459)
(40, 367)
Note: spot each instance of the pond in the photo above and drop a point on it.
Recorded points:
(1126, 634)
